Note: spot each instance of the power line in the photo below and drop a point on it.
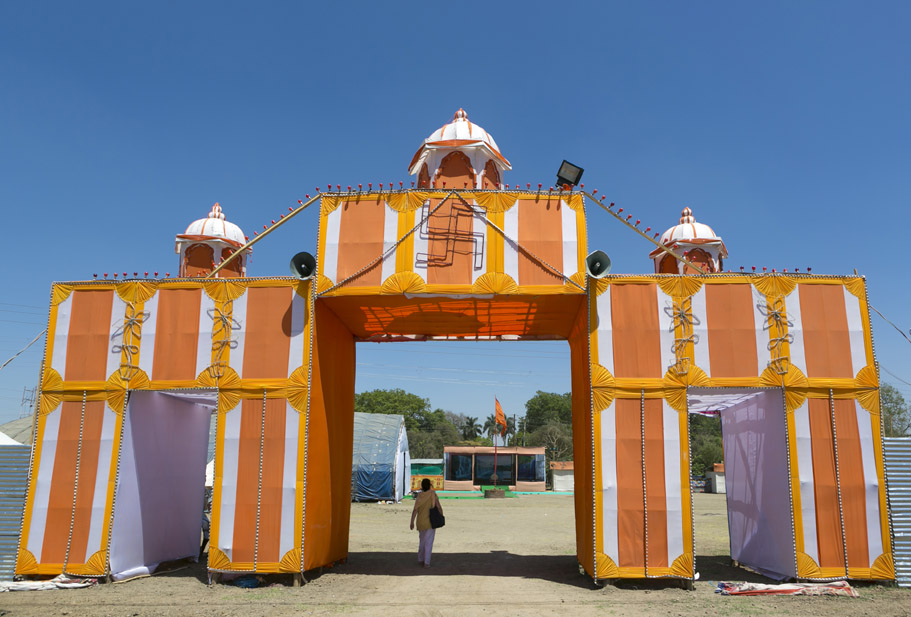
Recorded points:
(894, 375)
(900, 331)
(22, 305)
(34, 340)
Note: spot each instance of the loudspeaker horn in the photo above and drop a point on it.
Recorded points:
(303, 265)
(597, 264)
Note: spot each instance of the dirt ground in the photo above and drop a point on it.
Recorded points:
(494, 557)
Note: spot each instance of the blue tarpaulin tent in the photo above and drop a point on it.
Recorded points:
(380, 466)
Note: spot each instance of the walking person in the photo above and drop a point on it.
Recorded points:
(423, 502)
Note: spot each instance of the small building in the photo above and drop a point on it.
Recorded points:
(562, 478)
(430, 468)
(714, 480)
(380, 461)
(468, 468)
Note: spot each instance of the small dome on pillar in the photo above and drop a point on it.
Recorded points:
(461, 154)
(207, 241)
(695, 241)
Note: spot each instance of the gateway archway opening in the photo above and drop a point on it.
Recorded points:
(756, 502)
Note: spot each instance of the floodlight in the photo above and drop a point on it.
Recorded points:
(569, 174)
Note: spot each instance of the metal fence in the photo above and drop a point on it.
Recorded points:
(13, 484)
(898, 477)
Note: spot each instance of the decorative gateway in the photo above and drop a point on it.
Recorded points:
(133, 368)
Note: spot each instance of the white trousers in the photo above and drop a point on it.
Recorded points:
(425, 545)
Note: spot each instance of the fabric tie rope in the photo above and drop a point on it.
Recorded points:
(775, 314)
(682, 318)
(224, 322)
(129, 331)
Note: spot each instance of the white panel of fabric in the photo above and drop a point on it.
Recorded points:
(147, 346)
(238, 334)
(298, 322)
(161, 487)
(756, 479)
(289, 479)
(855, 332)
(116, 339)
(763, 355)
(510, 243)
(421, 240)
(570, 240)
(871, 482)
(701, 331)
(672, 482)
(805, 475)
(479, 230)
(329, 267)
(666, 332)
(610, 530)
(795, 329)
(43, 483)
(61, 333)
(206, 325)
(390, 237)
(228, 480)
(605, 331)
(100, 495)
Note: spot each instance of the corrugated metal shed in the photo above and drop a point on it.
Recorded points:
(13, 483)
(897, 452)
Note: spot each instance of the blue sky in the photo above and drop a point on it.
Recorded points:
(785, 126)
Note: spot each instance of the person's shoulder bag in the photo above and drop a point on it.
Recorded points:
(437, 519)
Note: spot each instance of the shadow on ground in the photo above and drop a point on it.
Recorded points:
(562, 569)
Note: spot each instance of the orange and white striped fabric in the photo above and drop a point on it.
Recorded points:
(809, 336)
(279, 358)
(438, 242)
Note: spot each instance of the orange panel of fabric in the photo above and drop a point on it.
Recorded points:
(270, 517)
(247, 481)
(89, 334)
(268, 337)
(630, 505)
(826, 339)
(360, 240)
(63, 481)
(579, 342)
(851, 481)
(637, 342)
(655, 490)
(329, 444)
(731, 330)
(828, 521)
(546, 316)
(541, 234)
(452, 245)
(176, 334)
(88, 469)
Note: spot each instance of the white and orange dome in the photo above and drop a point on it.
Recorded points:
(469, 139)
(696, 241)
(207, 242)
(215, 226)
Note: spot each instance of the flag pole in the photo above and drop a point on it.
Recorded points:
(496, 428)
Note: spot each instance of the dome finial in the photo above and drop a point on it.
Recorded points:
(686, 216)
(461, 114)
(216, 212)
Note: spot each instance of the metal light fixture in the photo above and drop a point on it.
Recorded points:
(569, 174)
(303, 265)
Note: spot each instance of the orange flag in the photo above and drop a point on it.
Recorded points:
(501, 417)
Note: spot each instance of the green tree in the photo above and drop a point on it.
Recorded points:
(548, 407)
(896, 414)
(705, 441)
(470, 429)
(415, 409)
